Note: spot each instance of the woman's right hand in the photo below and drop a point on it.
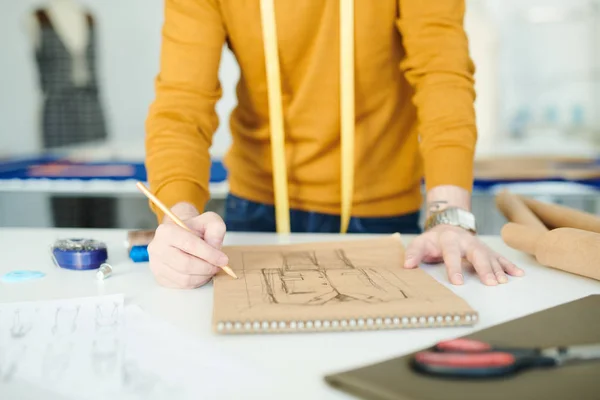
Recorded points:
(182, 260)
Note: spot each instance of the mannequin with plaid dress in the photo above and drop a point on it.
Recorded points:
(65, 55)
(65, 38)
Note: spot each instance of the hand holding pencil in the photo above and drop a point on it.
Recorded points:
(186, 255)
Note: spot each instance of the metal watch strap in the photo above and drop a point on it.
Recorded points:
(454, 216)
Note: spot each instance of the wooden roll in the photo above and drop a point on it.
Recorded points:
(520, 237)
(572, 250)
(557, 216)
(515, 210)
(568, 249)
(139, 238)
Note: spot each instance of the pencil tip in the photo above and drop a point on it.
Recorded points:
(230, 272)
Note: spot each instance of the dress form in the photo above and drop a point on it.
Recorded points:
(70, 20)
(63, 35)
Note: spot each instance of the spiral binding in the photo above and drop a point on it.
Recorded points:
(348, 324)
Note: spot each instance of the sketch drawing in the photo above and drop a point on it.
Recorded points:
(105, 354)
(106, 346)
(51, 343)
(22, 323)
(57, 358)
(10, 358)
(65, 320)
(314, 278)
(107, 314)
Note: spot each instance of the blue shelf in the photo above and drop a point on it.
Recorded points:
(22, 169)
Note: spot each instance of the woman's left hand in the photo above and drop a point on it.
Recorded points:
(450, 245)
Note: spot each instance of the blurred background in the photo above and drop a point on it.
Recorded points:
(537, 107)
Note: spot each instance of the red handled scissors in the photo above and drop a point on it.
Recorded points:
(474, 359)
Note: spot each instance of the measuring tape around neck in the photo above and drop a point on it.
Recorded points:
(280, 183)
(347, 107)
(282, 210)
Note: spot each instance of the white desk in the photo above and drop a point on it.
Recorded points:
(90, 188)
(301, 359)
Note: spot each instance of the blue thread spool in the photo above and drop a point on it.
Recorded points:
(79, 254)
(139, 254)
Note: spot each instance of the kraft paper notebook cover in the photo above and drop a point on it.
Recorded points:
(325, 286)
(577, 322)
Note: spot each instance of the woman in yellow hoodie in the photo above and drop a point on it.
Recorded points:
(344, 106)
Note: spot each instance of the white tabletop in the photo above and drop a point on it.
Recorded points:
(303, 359)
(90, 187)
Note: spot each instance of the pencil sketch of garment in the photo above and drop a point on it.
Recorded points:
(107, 315)
(368, 285)
(10, 357)
(311, 278)
(22, 323)
(106, 346)
(65, 320)
(105, 353)
(57, 357)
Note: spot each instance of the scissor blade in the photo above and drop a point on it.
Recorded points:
(577, 353)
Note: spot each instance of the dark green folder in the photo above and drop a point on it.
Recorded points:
(576, 322)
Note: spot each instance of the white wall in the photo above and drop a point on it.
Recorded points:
(128, 53)
(549, 65)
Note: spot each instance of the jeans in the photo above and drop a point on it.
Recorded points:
(243, 215)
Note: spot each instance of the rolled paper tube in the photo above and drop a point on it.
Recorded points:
(568, 249)
(520, 237)
(139, 238)
(572, 250)
(557, 216)
(515, 210)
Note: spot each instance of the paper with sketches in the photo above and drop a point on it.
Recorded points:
(344, 285)
(95, 348)
(68, 346)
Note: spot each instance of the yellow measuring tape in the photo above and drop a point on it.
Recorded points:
(269, 29)
(347, 107)
(282, 208)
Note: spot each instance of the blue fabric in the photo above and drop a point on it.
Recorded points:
(21, 276)
(243, 215)
(19, 169)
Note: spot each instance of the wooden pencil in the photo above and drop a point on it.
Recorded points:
(175, 219)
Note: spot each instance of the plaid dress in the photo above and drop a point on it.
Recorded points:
(72, 113)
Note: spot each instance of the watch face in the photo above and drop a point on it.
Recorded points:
(453, 216)
(467, 220)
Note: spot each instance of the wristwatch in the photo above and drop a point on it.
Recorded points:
(454, 216)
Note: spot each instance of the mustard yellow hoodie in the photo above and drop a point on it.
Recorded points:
(414, 99)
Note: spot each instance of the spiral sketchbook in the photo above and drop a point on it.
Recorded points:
(331, 286)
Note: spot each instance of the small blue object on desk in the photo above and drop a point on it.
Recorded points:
(21, 276)
(79, 254)
(139, 253)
